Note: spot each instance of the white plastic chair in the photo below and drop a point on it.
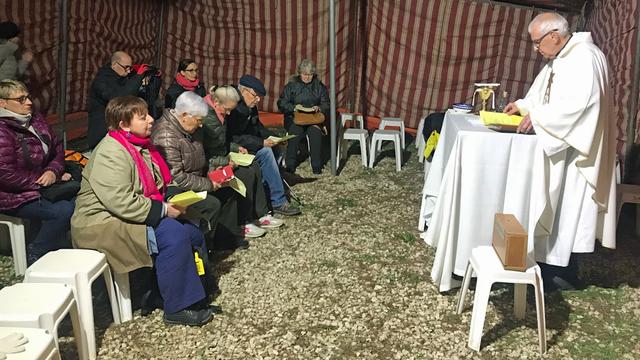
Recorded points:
(18, 242)
(41, 345)
(376, 144)
(361, 135)
(42, 306)
(395, 122)
(124, 296)
(78, 268)
(486, 264)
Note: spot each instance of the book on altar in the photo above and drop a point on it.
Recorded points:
(221, 175)
(237, 185)
(279, 140)
(188, 198)
(490, 118)
(241, 159)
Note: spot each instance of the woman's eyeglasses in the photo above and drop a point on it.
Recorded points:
(22, 99)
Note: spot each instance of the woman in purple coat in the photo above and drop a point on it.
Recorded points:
(31, 158)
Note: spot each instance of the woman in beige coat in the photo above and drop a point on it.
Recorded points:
(121, 212)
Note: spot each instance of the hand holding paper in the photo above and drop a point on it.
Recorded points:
(187, 198)
(241, 159)
(278, 140)
(221, 175)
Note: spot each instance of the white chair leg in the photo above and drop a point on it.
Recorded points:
(480, 303)
(419, 137)
(113, 298)
(363, 150)
(464, 288)
(372, 152)
(85, 308)
(519, 300)
(81, 340)
(542, 319)
(18, 247)
(124, 296)
(398, 155)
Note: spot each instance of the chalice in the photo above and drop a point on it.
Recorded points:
(485, 91)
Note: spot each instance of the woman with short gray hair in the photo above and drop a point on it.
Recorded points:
(303, 93)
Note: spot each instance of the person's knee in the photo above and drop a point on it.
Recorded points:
(64, 209)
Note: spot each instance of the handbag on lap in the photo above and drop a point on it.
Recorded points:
(303, 119)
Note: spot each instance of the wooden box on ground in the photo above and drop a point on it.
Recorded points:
(510, 242)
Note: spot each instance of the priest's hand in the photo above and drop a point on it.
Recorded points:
(525, 126)
(511, 109)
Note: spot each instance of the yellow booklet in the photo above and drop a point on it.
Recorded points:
(496, 118)
(241, 159)
(237, 185)
(188, 198)
(278, 140)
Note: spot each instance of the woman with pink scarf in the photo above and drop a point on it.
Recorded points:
(121, 212)
(186, 80)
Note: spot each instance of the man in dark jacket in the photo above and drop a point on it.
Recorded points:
(112, 80)
(245, 129)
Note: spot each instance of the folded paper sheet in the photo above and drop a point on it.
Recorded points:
(237, 185)
(278, 140)
(188, 198)
(241, 159)
(496, 118)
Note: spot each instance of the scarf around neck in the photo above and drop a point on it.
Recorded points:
(186, 83)
(22, 119)
(126, 139)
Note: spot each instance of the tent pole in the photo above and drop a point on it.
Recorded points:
(159, 38)
(63, 48)
(633, 102)
(332, 81)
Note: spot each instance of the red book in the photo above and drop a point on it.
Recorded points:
(221, 175)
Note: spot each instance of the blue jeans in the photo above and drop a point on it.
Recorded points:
(51, 220)
(178, 279)
(271, 176)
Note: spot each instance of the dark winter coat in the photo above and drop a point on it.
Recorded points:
(245, 129)
(308, 95)
(17, 177)
(176, 89)
(106, 86)
(214, 140)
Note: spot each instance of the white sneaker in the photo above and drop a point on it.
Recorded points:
(270, 222)
(253, 231)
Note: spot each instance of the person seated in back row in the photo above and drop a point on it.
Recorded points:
(31, 158)
(122, 213)
(304, 90)
(245, 129)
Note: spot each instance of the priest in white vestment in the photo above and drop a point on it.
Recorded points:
(569, 107)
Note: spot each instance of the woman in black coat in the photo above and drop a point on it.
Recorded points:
(186, 80)
(304, 90)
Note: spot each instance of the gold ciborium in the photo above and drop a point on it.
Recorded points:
(485, 91)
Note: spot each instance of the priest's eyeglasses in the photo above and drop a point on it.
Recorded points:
(536, 43)
(22, 99)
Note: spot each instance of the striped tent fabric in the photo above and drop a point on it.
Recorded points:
(39, 25)
(424, 56)
(264, 38)
(613, 26)
(97, 29)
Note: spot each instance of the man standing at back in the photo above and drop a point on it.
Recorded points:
(112, 80)
(569, 107)
(245, 129)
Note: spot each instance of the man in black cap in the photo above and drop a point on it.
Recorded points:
(10, 66)
(244, 128)
(112, 80)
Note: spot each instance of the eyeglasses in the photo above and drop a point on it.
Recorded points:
(536, 43)
(126, 68)
(253, 93)
(22, 99)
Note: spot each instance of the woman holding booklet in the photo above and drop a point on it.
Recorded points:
(253, 209)
(121, 212)
(178, 139)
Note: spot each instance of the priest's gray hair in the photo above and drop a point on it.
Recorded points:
(550, 21)
(192, 104)
(306, 66)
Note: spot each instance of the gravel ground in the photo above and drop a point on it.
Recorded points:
(350, 279)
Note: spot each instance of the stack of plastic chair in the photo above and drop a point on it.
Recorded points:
(380, 135)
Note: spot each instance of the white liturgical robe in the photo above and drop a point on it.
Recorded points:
(570, 108)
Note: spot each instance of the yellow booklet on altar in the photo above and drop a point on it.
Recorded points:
(237, 185)
(278, 140)
(241, 159)
(497, 118)
(188, 198)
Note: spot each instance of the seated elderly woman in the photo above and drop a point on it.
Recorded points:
(186, 79)
(302, 91)
(176, 138)
(253, 209)
(31, 158)
(121, 212)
